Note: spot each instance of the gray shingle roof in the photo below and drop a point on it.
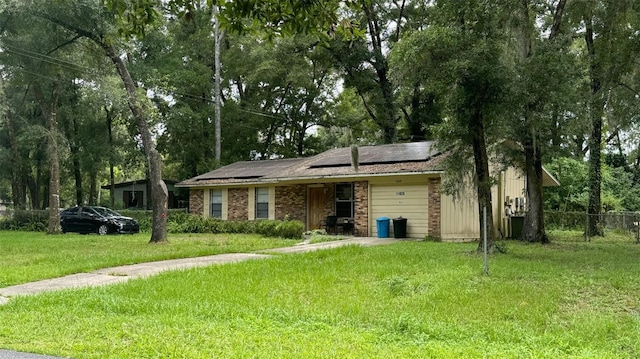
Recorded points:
(246, 170)
(415, 157)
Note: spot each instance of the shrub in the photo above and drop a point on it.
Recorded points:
(290, 229)
(185, 223)
(178, 221)
(238, 227)
(34, 221)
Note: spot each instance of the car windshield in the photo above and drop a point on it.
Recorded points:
(107, 212)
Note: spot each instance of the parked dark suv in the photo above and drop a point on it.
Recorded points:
(99, 220)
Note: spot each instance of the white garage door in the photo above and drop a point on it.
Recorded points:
(408, 201)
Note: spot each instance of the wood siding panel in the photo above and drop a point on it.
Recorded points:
(459, 217)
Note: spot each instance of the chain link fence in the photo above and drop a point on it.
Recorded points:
(596, 224)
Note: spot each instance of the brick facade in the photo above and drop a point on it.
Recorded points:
(196, 201)
(434, 208)
(361, 215)
(329, 199)
(238, 206)
(291, 202)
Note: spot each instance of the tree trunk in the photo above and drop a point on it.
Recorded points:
(158, 189)
(93, 188)
(75, 155)
(54, 180)
(33, 184)
(52, 150)
(218, 38)
(595, 173)
(533, 230)
(483, 181)
(112, 184)
(596, 109)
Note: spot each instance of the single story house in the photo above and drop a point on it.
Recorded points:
(396, 180)
(134, 194)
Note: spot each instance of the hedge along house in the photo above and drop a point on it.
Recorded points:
(397, 180)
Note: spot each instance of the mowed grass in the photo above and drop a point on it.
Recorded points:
(31, 256)
(570, 299)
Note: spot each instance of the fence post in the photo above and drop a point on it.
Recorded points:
(484, 221)
(586, 227)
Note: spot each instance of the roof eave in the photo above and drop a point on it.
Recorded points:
(548, 180)
(310, 178)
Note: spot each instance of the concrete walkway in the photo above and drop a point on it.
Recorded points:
(124, 273)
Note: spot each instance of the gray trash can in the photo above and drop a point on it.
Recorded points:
(400, 227)
(382, 225)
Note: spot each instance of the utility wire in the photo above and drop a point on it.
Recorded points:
(74, 66)
(44, 58)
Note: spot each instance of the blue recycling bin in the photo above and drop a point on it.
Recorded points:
(382, 225)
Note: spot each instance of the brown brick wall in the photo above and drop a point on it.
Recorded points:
(361, 218)
(434, 208)
(329, 199)
(196, 201)
(291, 201)
(238, 206)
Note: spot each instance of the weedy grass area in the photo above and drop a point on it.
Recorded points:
(31, 256)
(569, 299)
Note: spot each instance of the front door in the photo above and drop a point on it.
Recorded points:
(316, 207)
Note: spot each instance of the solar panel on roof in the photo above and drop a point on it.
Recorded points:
(394, 153)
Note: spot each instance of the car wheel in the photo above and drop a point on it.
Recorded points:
(103, 229)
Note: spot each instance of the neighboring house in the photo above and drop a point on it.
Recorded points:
(390, 181)
(135, 194)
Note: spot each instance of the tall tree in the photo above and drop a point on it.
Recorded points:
(91, 21)
(218, 35)
(538, 55)
(49, 106)
(461, 57)
(609, 37)
(375, 24)
(42, 55)
(366, 67)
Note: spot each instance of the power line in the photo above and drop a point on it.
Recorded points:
(74, 66)
(44, 58)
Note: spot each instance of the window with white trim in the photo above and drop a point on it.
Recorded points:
(215, 203)
(262, 203)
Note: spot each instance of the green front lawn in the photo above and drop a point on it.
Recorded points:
(570, 299)
(31, 256)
